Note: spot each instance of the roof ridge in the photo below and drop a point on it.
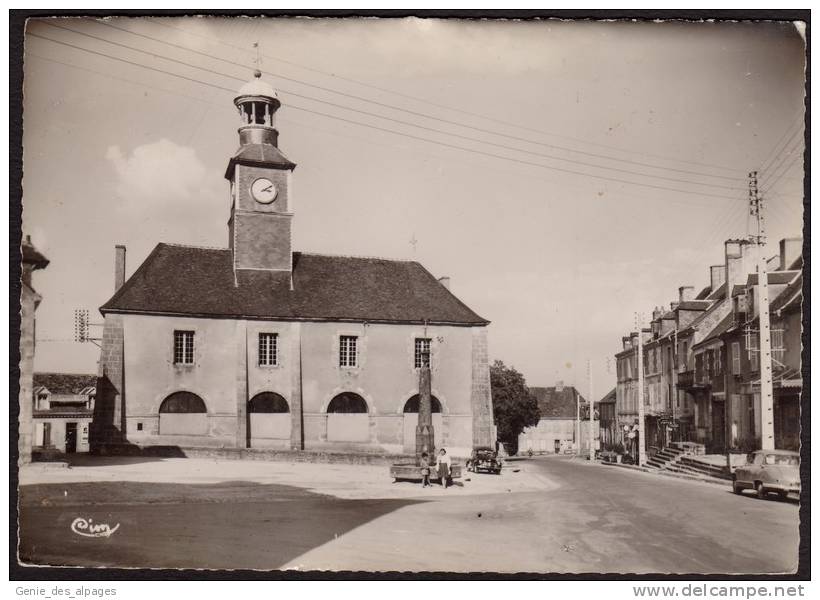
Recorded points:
(191, 246)
(363, 257)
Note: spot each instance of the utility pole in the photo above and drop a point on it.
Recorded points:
(577, 420)
(591, 414)
(641, 416)
(765, 335)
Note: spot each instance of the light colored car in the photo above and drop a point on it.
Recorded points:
(769, 471)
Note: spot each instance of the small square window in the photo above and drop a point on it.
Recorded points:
(139, 426)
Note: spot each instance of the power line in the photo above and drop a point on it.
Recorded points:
(766, 163)
(375, 127)
(772, 182)
(329, 131)
(415, 113)
(220, 41)
(401, 122)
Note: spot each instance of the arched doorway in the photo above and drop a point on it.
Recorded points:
(411, 419)
(269, 418)
(348, 419)
(183, 413)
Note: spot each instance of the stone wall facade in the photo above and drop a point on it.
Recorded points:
(137, 373)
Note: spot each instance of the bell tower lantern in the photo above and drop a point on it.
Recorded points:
(261, 206)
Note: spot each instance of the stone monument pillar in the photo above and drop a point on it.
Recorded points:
(424, 428)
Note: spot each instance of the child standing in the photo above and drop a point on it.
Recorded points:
(424, 463)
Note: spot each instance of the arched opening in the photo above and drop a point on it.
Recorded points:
(183, 413)
(347, 402)
(268, 402)
(269, 419)
(411, 420)
(182, 402)
(348, 419)
(412, 405)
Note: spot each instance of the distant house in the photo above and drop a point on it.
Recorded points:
(556, 429)
(608, 419)
(63, 407)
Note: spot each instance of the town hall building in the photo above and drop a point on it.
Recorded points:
(259, 346)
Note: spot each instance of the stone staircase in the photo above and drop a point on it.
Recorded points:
(666, 458)
(687, 458)
(691, 465)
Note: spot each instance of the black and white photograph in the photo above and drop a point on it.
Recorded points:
(410, 294)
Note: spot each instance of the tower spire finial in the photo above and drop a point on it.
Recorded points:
(257, 72)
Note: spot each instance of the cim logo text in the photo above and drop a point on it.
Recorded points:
(87, 528)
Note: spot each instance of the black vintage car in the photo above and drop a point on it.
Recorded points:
(484, 459)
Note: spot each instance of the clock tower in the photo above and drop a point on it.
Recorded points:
(261, 206)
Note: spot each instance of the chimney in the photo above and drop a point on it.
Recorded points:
(686, 292)
(559, 386)
(736, 268)
(657, 313)
(717, 276)
(119, 266)
(790, 249)
(445, 281)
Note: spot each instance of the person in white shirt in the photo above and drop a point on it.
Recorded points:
(444, 464)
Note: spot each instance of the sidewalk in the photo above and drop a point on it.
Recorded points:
(701, 478)
(339, 480)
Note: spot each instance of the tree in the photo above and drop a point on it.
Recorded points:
(514, 407)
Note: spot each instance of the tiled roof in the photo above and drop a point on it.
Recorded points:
(719, 293)
(553, 404)
(609, 398)
(258, 154)
(693, 305)
(197, 281)
(717, 331)
(791, 296)
(32, 255)
(774, 277)
(64, 383)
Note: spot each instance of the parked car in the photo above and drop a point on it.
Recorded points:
(769, 471)
(484, 459)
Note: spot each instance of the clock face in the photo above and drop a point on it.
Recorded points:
(263, 191)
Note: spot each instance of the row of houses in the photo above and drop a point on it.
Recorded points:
(701, 357)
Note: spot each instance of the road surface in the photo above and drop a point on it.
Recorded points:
(597, 519)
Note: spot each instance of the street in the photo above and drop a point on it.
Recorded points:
(595, 518)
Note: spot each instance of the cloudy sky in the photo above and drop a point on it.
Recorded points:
(563, 174)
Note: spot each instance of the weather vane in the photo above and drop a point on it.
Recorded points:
(258, 60)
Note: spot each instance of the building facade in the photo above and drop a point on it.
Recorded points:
(63, 407)
(258, 346)
(32, 260)
(557, 431)
(701, 362)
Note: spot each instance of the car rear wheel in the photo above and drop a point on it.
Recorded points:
(761, 493)
(782, 495)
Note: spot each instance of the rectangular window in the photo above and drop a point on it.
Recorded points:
(422, 347)
(735, 358)
(268, 349)
(183, 347)
(754, 352)
(347, 351)
(778, 348)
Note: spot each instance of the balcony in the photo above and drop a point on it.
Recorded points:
(686, 379)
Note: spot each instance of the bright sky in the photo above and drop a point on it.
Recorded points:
(645, 133)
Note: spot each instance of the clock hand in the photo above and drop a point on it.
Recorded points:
(268, 189)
